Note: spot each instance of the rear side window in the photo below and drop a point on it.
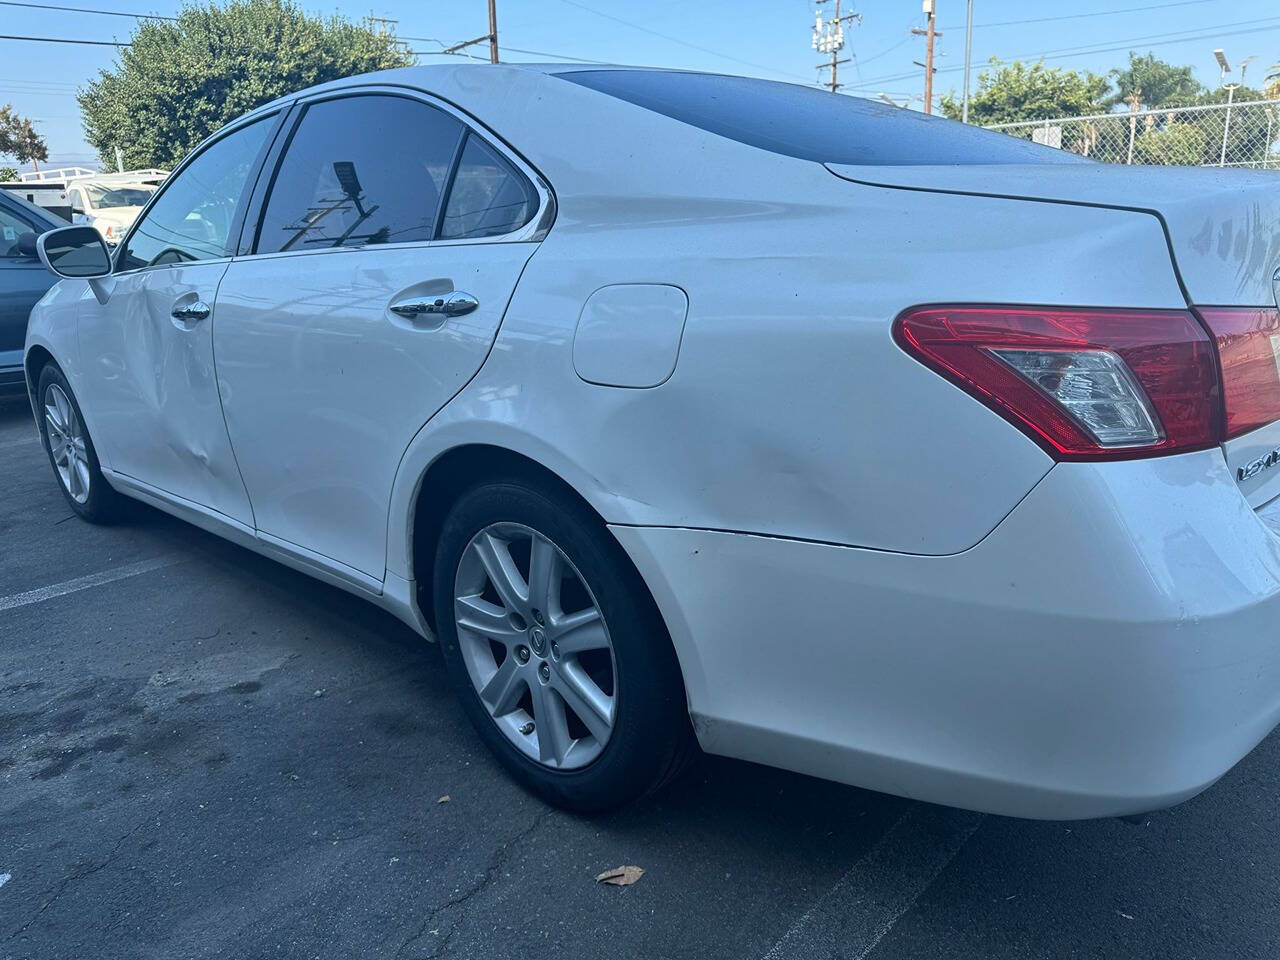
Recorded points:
(812, 124)
(361, 170)
(488, 197)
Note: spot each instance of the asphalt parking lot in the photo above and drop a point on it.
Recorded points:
(204, 754)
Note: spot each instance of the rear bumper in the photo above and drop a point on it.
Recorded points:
(1112, 647)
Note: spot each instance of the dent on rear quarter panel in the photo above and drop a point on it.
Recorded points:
(790, 412)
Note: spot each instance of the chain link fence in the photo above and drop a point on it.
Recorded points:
(1217, 135)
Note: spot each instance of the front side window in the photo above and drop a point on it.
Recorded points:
(192, 219)
(11, 227)
(360, 170)
(488, 197)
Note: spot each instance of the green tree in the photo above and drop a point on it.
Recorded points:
(18, 138)
(1247, 140)
(1177, 144)
(1156, 82)
(8, 173)
(179, 81)
(1272, 84)
(1018, 91)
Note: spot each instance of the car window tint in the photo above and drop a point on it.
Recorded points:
(360, 170)
(192, 218)
(488, 197)
(811, 124)
(11, 227)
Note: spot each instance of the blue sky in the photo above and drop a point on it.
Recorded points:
(766, 38)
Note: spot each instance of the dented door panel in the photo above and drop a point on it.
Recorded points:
(151, 382)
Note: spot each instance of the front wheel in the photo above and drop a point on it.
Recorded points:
(556, 650)
(71, 451)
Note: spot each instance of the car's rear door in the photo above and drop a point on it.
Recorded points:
(369, 297)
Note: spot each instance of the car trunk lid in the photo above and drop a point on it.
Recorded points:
(1223, 225)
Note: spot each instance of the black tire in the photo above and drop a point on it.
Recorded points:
(101, 504)
(652, 738)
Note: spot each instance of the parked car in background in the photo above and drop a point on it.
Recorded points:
(841, 438)
(108, 204)
(23, 280)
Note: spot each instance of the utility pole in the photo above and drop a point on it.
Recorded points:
(490, 38)
(493, 31)
(968, 51)
(828, 37)
(386, 28)
(1224, 68)
(1135, 100)
(929, 34)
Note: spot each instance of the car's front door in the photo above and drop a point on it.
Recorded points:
(364, 308)
(148, 351)
(23, 281)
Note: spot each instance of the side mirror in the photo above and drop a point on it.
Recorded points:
(75, 253)
(27, 245)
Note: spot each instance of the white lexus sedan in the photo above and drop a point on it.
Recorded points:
(688, 409)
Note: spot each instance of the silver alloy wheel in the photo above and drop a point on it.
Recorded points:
(546, 675)
(66, 443)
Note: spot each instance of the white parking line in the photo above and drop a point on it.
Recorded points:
(85, 582)
(854, 915)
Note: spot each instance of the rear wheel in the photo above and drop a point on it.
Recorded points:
(556, 649)
(71, 451)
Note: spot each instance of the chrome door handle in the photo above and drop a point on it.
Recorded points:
(452, 305)
(191, 312)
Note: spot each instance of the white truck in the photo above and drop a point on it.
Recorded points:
(108, 201)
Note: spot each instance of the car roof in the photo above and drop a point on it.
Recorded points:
(428, 76)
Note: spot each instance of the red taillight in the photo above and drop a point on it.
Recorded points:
(1087, 384)
(1248, 340)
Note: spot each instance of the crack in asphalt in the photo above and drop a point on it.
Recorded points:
(482, 881)
(75, 877)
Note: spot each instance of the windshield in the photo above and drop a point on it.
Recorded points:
(812, 124)
(103, 197)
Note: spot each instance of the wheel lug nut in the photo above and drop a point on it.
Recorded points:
(544, 672)
(527, 727)
(555, 650)
(522, 653)
(537, 616)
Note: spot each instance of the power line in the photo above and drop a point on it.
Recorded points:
(35, 84)
(88, 43)
(1061, 53)
(105, 13)
(1100, 13)
(556, 56)
(886, 51)
(683, 43)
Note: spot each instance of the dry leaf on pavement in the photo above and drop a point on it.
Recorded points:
(620, 876)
